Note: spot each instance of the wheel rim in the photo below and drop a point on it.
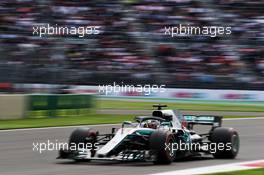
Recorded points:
(171, 153)
(235, 143)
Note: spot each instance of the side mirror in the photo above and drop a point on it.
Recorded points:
(126, 123)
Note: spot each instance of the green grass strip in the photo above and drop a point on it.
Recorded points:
(140, 105)
(68, 121)
(64, 121)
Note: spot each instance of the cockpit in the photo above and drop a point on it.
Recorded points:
(173, 117)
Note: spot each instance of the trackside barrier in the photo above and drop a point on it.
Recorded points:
(12, 106)
(169, 93)
(52, 103)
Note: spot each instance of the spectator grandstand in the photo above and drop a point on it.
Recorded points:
(132, 47)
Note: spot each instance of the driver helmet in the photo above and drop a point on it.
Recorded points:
(154, 124)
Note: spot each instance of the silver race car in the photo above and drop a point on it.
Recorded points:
(163, 137)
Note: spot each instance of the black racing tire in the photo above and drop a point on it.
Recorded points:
(225, 136)
(157, 145)
(82, 136)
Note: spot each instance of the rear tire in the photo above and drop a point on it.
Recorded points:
(225, 136)
(157, 142)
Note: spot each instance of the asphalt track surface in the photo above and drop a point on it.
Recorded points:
(18, 158)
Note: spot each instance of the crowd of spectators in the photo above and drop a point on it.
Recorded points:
(131, 46)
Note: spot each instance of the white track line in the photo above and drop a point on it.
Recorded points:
(213, 169)
(252, 118)
(62, 127)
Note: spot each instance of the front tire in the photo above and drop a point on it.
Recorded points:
(157, 142)
(82, 136)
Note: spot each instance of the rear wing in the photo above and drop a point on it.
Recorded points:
(214, 121)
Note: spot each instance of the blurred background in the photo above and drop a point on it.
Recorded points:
(53, 81)
(132, 48)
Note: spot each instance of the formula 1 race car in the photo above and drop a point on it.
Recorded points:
(163, 137)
